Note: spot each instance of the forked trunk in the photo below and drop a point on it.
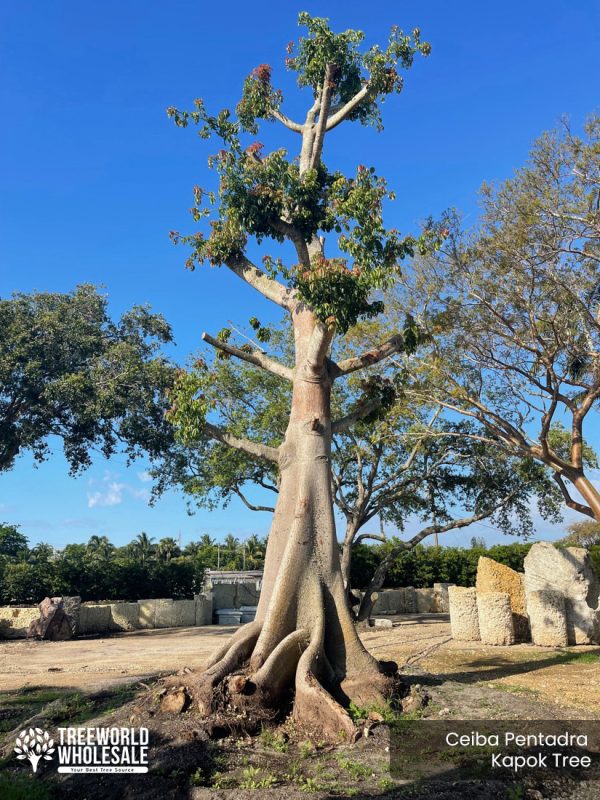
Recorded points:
(303, 642)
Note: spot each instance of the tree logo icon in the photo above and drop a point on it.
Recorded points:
(34, 744)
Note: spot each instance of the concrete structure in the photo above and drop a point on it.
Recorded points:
(232, 588)
(495, 577)
(495, 618)
(548, 618)
(95, 618)
(15, 621)
(464, 619)
(124, 616)
(441, 601)
(568, 571)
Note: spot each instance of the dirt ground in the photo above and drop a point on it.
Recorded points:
(111, 681)
(417, 641)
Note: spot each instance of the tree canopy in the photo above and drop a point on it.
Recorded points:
(68, 370)
(511, 309)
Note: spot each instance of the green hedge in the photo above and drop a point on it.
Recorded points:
(424, 566)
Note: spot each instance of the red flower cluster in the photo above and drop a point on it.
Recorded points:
(262, 73)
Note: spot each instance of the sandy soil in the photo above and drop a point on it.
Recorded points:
(97, 683)
(420, 642)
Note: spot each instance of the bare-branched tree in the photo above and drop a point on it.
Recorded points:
(513, 309)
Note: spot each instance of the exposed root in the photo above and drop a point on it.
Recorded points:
(233, 655)
(247, 633)
(314, 708)
(277, 672)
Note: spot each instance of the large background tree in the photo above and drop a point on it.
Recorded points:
(413, 464)
(513, 309)
(303, 633)
(68, 370)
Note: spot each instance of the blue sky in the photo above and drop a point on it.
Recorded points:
(93, 175)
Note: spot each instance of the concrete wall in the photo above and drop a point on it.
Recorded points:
(409, 600)
(113, 617)
(14, 622)
(99, 618)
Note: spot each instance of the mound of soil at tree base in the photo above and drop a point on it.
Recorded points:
(279, 764)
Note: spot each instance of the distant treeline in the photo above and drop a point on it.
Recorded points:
(144, 569)
(424, 566)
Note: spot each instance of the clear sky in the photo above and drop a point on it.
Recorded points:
(93, 175)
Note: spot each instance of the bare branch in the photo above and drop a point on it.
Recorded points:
(255, 357)
(252, 448)
(362, 410)
(341, 113)
(268, 287)
(326, 91)
(376, 536)
(289, 123)
(569, 502)
(248, 504)
(394, 344)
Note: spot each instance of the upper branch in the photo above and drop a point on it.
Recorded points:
(326, 92)
(289, 123)
(268, 287)
(360, 412)
(255, 357)
(394, 344)
(341, 113)
(248, 504)
(569, 502)
(251, 448)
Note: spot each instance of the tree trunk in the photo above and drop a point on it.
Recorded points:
(303, 637)
(589, 493)
(346, 562)
(376, 582)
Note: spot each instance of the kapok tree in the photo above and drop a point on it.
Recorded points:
(303, 637)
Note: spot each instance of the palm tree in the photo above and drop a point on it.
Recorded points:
(254, 549)
(206, 540)
(143, 547)
(40, 553)
(100, 548)
(167, 548)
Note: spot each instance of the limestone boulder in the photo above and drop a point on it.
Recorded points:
(464, 619)
(72, 608)
(495, 577)
(53, 623)
(495, 618)
(568, 571)
(548, 618)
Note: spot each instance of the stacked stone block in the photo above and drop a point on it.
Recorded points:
(464, 617)
(495, 618)
(495, 577)
(548, 617)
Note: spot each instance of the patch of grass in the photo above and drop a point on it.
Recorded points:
(221, 781)
(386, 784)
(275, 742)
(251, 779)
(23, 787)
(387, 711)
(306, 749)
(353, 768)
(589, 657)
